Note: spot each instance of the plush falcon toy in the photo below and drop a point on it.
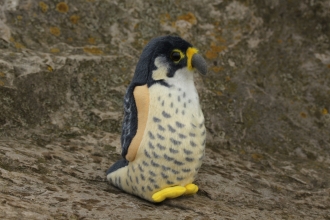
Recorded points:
(163, 133)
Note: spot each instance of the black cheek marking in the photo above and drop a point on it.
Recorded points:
(197, 168)
(193, 125)
(168, 158)
(151, 135)
(201, 124)
(169, 182)
(137, 180)
(192, 134)
(143, 188)
(151, 146)
(182, 136)
(204, 141)
(178, 124)
(130, 178)
(193, 144)
(151, 180)
(160, 137)
(161, 128)
(186, 170)
(203, 133)
(178, 163)
(147, 155)
(171, 128)
(140, 168)
(161, 147)
(173, 151)
(179, 99)
(165, 168)
(155, 154)
(127, 182)
(156, 186)
(188, 152)
(156, 119)
(145, 163)
(179, 178)
(175, 171)
(175, 142)
(149, 188)
(189, 159)
(152, 173)
(166, 115)
(184, 94)
(134, 188)
(164, 175)
(142, 177)
(154, 164)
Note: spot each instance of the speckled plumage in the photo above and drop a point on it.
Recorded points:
(172, 144)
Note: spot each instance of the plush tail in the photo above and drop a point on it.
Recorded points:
(119, 164)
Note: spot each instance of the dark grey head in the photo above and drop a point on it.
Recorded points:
(163, 57)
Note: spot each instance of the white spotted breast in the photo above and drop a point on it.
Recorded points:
(172, 147)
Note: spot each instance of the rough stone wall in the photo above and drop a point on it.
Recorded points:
(64, 67)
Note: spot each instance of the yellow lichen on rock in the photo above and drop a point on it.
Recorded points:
(257, 157)
(43, 6)
(91, 40)
(164, 18)
(190, 17)
(55, 31)
(93, 50)
(50, 69)
(62, 7)
(216, 69)
(74, 19)
(19, 45)
(212, 53)
(303, 115)
(54, 50)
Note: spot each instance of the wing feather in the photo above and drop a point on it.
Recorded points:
(130, 123)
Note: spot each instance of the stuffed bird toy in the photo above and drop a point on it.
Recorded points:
(163, 133)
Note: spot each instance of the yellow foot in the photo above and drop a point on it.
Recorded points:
(169, 193)
(191, 189)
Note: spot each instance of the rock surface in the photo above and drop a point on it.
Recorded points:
(64, 67)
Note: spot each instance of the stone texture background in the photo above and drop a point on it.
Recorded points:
(64, 67)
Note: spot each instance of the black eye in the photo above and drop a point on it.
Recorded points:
(175, 56)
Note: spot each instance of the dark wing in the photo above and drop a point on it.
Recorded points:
(130, 122)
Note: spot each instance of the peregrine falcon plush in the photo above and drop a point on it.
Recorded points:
(163, 133)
